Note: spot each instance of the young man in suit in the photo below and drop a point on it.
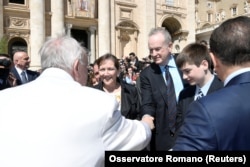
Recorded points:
(20, 70)
(220, 120)
(156, 99)
(60, 122)
(196, 66)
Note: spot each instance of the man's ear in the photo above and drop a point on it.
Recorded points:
(170, 47)
(204, 63)
(75, 71)
(214, 59)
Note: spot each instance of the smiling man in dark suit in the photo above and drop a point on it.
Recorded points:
(20, 70)
(155, 92)
(220, 120)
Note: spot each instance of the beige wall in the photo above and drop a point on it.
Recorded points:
(118, 26)
(220, 11)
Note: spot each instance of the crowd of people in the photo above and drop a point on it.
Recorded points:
(196, 101)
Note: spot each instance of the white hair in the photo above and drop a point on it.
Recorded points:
(61, 52)
(162, 30)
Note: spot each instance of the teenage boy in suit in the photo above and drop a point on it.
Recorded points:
(220, 120)
(196, 65)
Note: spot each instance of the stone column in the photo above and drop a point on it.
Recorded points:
(191, 23)
(104, 26)
(146, 20)
(37, 30)
(92, 30)
(1, 19)
(57, 18)
(68, 29)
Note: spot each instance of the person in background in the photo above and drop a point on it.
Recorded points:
(91, 79)
(20, 70)
(146, 61)
(7, 79)
(138, 86)
(159, 92)
(220, 120)
(196, 66)
(204, 42)
(96, 72)
(136, 76)
(93, 74)
(129, 77)
(134, 63)
(122, 70)
(60, 122)
(126, 95)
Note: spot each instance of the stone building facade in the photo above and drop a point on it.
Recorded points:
(116, 26)
(209, 14)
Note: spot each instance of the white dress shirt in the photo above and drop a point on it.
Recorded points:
(204, 89)
(178, 85)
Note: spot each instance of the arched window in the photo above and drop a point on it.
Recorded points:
(17, 44)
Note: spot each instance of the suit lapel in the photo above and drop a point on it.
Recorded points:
(29, 75)
(14, 71)
(189, 95)
(192, 93)
(125, 106)
(160, 82)
(215, 85)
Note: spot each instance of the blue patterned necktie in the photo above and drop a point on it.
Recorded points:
(171, 100)
(24, 78)
(200, 95)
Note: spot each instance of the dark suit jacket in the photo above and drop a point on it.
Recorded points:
(154, 103)
(32, 75)
(129, 100)
(220, 120)
(4, 84)
(187, 96)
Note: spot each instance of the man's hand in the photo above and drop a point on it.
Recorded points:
(149, 120)
(12, 80)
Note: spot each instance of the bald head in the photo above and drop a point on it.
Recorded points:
(21, 60)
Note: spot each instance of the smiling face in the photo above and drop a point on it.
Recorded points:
(108, 72)
(159, 50)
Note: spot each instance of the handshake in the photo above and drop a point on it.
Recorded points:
(149, 120)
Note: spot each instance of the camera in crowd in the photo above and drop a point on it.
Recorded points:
(7, 79)
(6, 63)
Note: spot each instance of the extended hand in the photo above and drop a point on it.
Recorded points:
(149, 120)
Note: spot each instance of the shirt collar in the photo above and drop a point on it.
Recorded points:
(206, 87)
(171, 64)
(19, 70)
(232, 75)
